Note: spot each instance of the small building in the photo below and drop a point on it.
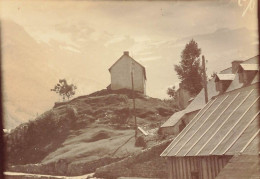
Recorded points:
(180, 119)
(225, 127)
(121, 77)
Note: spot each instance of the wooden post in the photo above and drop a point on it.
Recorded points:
(204, 79)
(133, 96)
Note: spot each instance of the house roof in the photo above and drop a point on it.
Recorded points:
(227, 125)
(250, 67)
(225, 77)
(199, 101)
(241, 167)
(144, 71)
(174, 119)
(196, 104)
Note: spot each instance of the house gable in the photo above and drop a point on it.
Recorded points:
(121, 74)
(127, 54)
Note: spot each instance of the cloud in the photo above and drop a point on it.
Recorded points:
(71, 48)
(150, 58)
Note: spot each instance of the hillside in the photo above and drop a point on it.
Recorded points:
(85, 133)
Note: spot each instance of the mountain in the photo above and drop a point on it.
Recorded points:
(31, 68)
(26, 75)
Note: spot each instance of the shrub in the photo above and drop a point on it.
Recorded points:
(121, 116)
(159, 132)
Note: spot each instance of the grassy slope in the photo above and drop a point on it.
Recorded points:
(92, 144)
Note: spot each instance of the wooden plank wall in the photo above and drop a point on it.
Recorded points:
(207, 167)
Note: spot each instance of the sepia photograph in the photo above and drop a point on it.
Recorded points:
(112, 89)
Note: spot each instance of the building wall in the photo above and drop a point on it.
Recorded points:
(171, 130)
(182, 97)
(206, 167)
(121, 75)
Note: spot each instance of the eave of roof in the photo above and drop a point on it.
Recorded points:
(250, 67)
(225, 77)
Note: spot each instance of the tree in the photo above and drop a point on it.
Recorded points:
(189, 70)
(171, 92)
(63, 89)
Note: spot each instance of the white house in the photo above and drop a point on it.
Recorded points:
(121, 74)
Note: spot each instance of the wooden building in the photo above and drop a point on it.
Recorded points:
(225, 127)
(181, 118)
(241, 167)
(120, 73)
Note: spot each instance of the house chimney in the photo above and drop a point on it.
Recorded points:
(235, 65)
(126, 53)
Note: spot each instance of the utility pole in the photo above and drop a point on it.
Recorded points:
(133, 96)
(204, 79)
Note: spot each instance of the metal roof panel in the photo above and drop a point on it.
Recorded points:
(174, 119)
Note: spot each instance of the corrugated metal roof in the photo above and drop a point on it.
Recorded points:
(197, 103)
(250, 67)
(174, 119)
(223, 127)
(253, 60)
(241, 167)
(235, 84)
(228, 77)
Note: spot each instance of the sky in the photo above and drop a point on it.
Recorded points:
(80, 40)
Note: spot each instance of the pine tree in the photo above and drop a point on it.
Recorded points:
(189, 70)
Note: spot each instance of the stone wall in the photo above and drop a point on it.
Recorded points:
(147, 164)
(61, 167)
